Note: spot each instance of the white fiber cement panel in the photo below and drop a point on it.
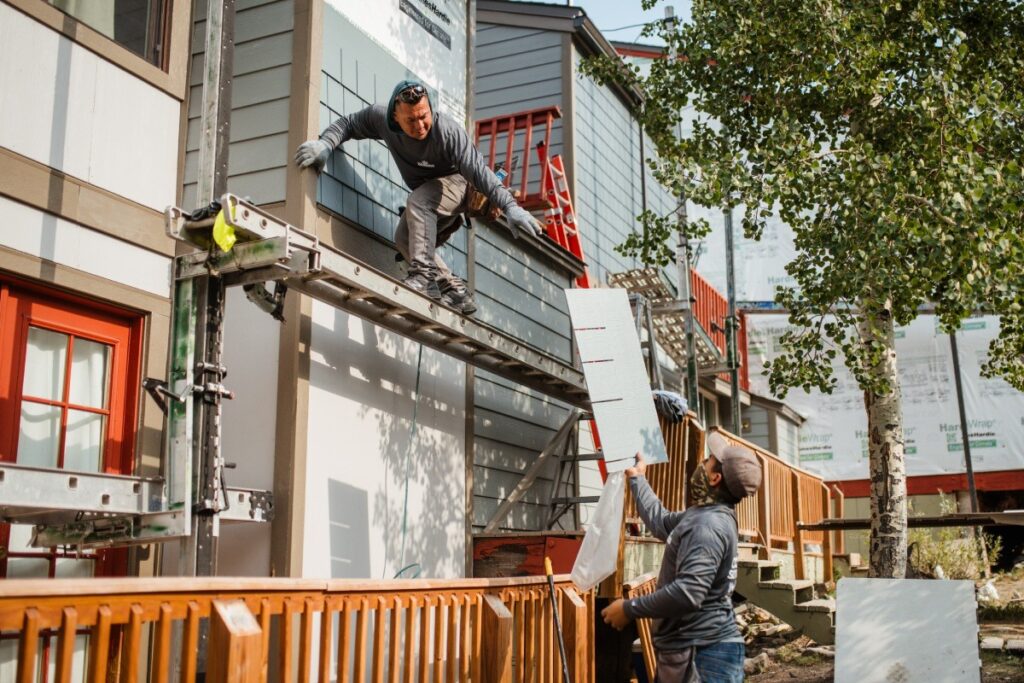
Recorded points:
(363, 449)
(613, 364)
(65, 107)
(906, 630)
(43, 235)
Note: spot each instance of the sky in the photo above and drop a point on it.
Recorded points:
(609, 15)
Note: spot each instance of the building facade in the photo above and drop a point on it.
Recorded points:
(384, 457)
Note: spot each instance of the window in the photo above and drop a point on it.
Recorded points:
(69, 377)
(139, 25)
(71, 386)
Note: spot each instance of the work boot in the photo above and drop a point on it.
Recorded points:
(456, 294)
(424, 283)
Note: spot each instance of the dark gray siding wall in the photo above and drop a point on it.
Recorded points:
(518, 69)
(757, 417)
(512, 425)
(519, 292)
(259, 100)
(361, 181)
(608, 187)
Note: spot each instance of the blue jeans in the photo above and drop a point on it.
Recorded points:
(716, 663)
(720, 663)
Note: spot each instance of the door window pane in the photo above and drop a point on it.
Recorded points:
(19, 539)
(44, 364)
(39, 438)
(80, 650)
(68, 568)
(28, 567)
(136, 24)
(83, 445)
(89, 373)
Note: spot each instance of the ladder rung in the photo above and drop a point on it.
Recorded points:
(577, 500)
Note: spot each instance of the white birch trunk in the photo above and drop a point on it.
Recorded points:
(886, 455)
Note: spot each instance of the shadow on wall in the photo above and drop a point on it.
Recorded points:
(377, 370)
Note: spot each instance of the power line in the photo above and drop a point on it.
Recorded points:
(623, 28)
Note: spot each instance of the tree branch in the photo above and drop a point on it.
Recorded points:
(921, 201)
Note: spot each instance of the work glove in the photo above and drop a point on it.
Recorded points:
(313, 153)
(669, 405)
(520, 221)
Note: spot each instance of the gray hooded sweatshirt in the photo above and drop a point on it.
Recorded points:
(446, 150)
(692, 605)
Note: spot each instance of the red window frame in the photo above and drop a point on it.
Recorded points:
(24, 304)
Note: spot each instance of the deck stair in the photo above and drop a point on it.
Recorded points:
(792, 601)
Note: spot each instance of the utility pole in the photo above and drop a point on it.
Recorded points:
(683, 265)
(732, 327)
(964, 431)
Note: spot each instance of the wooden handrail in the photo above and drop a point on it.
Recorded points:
(788, 494)
(458, 630)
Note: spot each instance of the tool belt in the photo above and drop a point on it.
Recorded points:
(480, 206)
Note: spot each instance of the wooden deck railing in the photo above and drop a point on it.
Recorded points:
(787, 495)
(644, 585)
(415, 630)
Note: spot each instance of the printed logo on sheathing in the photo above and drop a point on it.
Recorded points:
(815, 456)
(931, 422)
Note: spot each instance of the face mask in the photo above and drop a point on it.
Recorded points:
(700, 488)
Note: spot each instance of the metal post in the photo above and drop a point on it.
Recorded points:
(199, 552)
(732, 327)
(964, 432)
(685, 295)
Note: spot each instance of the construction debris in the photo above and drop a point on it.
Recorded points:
(758, 624)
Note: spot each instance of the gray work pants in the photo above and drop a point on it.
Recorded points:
(432, 215)
(677, 667)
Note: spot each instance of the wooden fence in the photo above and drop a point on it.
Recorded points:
(301, 630)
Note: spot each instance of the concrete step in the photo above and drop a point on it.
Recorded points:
(762, 570)
(748, 551)
(853, 559)
(827, 605)
(758, 563)
(796, 591)
(787, 584)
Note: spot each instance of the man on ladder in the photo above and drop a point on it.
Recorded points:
(439, 163)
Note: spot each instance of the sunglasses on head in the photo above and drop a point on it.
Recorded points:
(412, 94)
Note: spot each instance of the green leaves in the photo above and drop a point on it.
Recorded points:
(888, 135)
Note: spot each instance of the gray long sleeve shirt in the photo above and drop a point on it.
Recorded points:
(446, 150)
(692, 605)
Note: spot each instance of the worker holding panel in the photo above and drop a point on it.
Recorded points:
(695, 633)
(438, 162)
